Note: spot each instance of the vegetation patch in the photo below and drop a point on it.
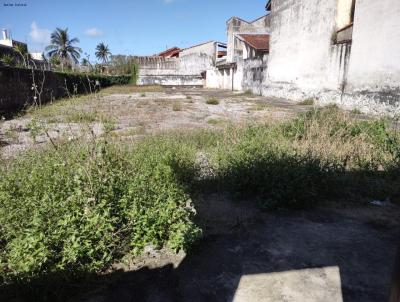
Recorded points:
(79, 206)
(307, 102)
(213, 101)
(177, 106)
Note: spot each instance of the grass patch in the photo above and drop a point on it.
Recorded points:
(213, 101)
(215, 122)
(177, 106)
(356, 111)
(128, 89)
(82, 206)
(307, 102)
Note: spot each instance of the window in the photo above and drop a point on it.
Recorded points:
(344, 20)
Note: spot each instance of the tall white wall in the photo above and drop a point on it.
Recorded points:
(300, 42)
(375, 58)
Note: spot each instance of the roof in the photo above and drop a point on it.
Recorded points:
(257, 41)
(268, 5)
(169, 52)
(245, 21)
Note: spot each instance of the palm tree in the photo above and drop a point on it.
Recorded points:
(23, 53)
(102, 52)
(63, 47)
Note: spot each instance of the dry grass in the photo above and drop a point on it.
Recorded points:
(177, 106)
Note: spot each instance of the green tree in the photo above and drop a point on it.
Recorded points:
(63, 47)
(21, 50)
(102, 52)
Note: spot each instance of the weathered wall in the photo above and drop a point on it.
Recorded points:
(186, 70)
(304, 62)
(300, 41)
(254, 74)
(375, 58)
(16, 86)
(209, 49)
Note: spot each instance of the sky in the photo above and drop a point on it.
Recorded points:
(135, 27)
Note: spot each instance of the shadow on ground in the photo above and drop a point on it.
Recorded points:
(319, 255)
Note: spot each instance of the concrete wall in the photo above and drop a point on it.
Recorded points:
(185, 70)
(254, 74)
(375, 58)
(300, 42)
(209, 49)
(16, 84)
(304, 61)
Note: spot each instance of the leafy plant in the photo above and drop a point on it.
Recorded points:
(212, 101)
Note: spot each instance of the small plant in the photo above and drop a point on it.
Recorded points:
(109, 126)
(36, 128)
(189, 97)
(177, 106)
(307, 102)
(214, 122)
(81, 117)
(356, 111)
(143, 95)
(212, 101)
(8, 60)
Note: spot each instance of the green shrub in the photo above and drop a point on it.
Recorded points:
(212, 101)
(83, 206)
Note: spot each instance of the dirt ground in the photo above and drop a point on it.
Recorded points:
(333, 254)
(336, 253)
(130, 115)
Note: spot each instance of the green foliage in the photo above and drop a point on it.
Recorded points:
(212, 101)
(307, 102)
(83, 206)
(8, 60)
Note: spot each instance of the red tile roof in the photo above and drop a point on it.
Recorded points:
(257, 41)
(169, 53)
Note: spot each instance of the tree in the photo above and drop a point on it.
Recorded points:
(63, 47)
(23, 53)
(102, 52)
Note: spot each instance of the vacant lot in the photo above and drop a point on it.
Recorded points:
(131, 112)
(152, 194)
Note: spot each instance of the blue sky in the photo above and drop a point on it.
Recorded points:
(137, 27)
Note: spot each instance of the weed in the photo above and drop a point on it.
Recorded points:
(213, 101)
(307, 102)
(177, 106)
(214, 121)
(143, 95)
(356, 111)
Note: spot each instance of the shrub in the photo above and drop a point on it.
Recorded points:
(177, 106)
(85, 205)
(307, 102)
(212, 101)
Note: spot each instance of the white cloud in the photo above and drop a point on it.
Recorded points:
(39, 35)
(93, 32)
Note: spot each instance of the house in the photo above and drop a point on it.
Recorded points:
(180, 67)
(334, 51)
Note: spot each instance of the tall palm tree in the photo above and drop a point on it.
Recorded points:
(102, 52)
(63, 47)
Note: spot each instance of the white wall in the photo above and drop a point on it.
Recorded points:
(375, 58)
(300, 41)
